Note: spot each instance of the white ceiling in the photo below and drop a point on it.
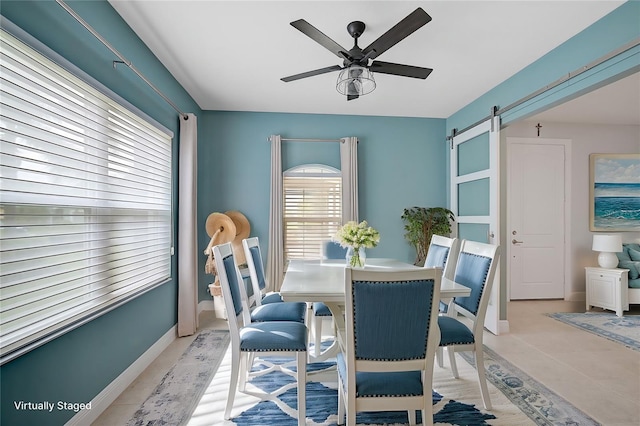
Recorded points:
(230, 55)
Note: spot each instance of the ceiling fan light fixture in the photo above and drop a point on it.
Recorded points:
(355, 81)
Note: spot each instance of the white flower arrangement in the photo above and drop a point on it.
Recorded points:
(357, 235)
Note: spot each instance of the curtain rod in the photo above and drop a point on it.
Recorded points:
(307, 140)
(119, 55)
(550, 86)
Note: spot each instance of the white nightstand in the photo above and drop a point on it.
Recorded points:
(607, 289)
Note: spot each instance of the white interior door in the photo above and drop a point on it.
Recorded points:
(475, 186)
(535, 189)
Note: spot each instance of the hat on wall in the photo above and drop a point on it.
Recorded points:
(220, 228)
(243, 229)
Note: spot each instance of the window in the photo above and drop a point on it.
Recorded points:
(85, 201)
(312, 209)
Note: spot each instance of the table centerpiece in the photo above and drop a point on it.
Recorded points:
(356, 237)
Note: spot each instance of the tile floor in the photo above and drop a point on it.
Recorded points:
(600, 377)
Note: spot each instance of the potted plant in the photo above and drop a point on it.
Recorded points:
(421, 223)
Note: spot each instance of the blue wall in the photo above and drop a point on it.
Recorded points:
(78, 365)
(400, 165)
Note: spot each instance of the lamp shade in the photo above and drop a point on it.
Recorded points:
(607, 243)
(355, 81)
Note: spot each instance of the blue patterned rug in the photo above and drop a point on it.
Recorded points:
(624, 330)
(322, 401)
(539, 403)
(194, 392)
(517, 399)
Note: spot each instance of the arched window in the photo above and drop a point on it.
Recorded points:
(312, 209)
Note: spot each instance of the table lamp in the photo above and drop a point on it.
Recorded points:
(607, 245)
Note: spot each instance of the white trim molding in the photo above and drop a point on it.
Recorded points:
(104, 399)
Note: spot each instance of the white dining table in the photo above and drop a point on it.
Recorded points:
(323, 281)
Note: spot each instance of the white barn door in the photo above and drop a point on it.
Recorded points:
(475, 197)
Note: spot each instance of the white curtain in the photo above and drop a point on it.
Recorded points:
(187, 228)
(349, 168)
(275, 256)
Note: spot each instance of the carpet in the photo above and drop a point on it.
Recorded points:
(539, 403)
(517, 399)
(623, 330)
(176, 397)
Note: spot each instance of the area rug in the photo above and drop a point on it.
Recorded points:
(624, 330)
(173, 401)
(539, 403)
(517, 399)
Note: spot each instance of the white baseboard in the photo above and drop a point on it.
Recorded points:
(576, 296)
(104, 399)
(206, 305)
(216, 304)
(503, 326)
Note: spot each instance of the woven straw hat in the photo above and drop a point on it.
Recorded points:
(243, 230)
(224, 224)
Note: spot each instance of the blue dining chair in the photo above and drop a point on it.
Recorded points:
(443, 252)
(269, 307)
(280, 338)
(253, 254)
(391, 338)
(330, 250)
(475, 268)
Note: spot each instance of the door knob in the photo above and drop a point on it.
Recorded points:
(514, 241)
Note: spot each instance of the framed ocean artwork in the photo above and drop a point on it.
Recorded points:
(614, 192)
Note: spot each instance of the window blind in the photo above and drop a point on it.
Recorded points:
(312, 209)
(85, 200)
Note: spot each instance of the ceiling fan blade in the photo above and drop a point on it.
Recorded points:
(311, 73)
(399, 69)
(320, 37)
(401, 30)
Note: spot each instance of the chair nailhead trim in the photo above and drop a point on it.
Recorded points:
(355, 340)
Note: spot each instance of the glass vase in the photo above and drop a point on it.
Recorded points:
(356, 258)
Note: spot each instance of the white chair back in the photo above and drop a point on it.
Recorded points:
(391, 330)
(253, 256)
(475, 268)
(234, 292)
(443, 252)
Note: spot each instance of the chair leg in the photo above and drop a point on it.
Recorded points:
(341, 408)
(427, 389)
(302, 387)
(246, 362)
(427, 414)
(439, 357)
(482, 377)
(350, 405)
(317, 335)
(351, 417)
(412, 417)
(452, 360)
(233, 383)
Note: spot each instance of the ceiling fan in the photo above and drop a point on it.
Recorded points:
(356, 77)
